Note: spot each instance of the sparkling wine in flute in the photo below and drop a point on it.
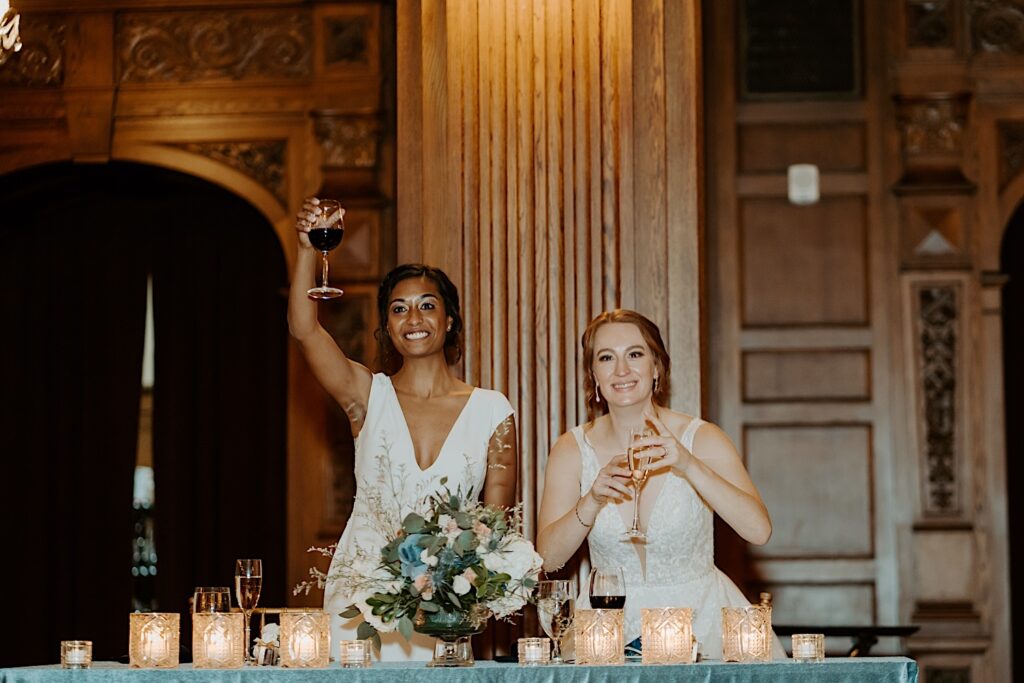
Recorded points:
(247, 590)
(637, 461)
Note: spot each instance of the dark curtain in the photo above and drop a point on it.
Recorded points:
(219, 284)
(73, 302)
(1013, 382)
(76, 253)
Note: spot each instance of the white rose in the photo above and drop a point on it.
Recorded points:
(518, 559)
(460, 585)
(428, 559)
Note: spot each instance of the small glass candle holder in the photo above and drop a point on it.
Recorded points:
(76, 654)
(217, 640)
(354, 654)
(809, 647)
(305, 639)
(599, 637)
(667, 635)
(747, 634)
(153, 640)
(534, 651)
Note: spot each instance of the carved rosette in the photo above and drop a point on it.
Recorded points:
(932, 129)
(205, 46)
(937, 312)
(347, 141)
(997, 26)
(263, 161)
(1011, 150)
(40, 62)
(930, 23)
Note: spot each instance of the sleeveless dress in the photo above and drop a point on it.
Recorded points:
(390, 485)
(680, 551)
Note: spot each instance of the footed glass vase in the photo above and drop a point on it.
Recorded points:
(452, 631)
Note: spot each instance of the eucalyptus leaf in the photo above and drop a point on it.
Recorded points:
(350, 613)
(366, 630)
(405, 627)
(413, 523)
(428, 606)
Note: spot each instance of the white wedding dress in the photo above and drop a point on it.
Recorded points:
(680, 549)
(390, 485)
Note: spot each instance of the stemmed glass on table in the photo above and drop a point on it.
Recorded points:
(607, 588)
(326, 228)
(556, 600)
(248, 583)
(637, 461)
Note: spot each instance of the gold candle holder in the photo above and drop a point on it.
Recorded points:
(305, 639)
(534, 651)
(354, 654)
(599, 637)
(808, 647)
(747, 634)
(153, 640)
(217, 640)
(76, 654)
(667, 635)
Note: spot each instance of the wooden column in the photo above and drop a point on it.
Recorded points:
(549, 160)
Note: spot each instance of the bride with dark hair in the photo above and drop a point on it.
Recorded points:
(415, 424)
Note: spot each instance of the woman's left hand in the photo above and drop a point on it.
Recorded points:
(665, 449)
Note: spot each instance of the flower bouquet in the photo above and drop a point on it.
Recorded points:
(446, 572)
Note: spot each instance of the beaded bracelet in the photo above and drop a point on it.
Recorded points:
(579, 519)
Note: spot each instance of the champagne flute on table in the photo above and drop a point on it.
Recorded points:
(607, 588)
(637, 458)
(556, 599)
(326, 228)
(248, 583)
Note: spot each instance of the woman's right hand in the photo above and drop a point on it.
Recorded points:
(305, 219)
(611, 481)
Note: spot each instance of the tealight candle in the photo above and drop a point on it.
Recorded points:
(354, 654)
(667, 635)
(746, 634)
(76, 654)
(808, 647)
(154, 639)
(599, 637)
(305, 639)
(217, 640)
(534, 651)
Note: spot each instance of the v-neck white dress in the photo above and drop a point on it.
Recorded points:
(679, 553)
(389, 485)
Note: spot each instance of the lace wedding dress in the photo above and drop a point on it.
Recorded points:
(390, 484)
(679, 554)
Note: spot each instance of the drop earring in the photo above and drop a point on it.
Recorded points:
(597, 392)
(654, 389)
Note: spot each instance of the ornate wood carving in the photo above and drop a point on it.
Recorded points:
(997, 26)
(40, 63)
(347, 40)
(263, 161)
(204, 46)
(1011, 150)
(932, 128)
(348, 141)
(930, 23)
(937, 307)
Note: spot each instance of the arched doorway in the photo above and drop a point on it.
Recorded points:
(78, 243)
(1012, 265)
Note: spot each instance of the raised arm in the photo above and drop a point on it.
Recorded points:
(502, 465)
(565, 518)
(345, 380)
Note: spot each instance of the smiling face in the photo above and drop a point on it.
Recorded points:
(624, 367)
(417, 322)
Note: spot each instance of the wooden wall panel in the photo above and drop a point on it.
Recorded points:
(823, 603)
(806, 375)
(768, 147)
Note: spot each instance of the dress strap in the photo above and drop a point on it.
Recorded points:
(691, 432)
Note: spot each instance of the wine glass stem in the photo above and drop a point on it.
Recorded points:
(636, 506)
(323, 279)
(247, 615)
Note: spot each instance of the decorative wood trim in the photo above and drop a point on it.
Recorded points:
(263, 161)
(347, 141)
(930, 24)
(41, 61)
(997, 26)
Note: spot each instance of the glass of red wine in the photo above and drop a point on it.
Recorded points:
(326, 228)
(248, 584)
(607, 588)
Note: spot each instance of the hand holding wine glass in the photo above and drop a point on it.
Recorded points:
(637, 459)
(248, 584)
(322, 224)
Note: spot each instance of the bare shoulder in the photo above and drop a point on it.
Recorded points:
(565, 449)
(677, 422)
(711, 441)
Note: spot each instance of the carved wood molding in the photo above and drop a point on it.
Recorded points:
(997, 26)
(348, 141)
(214, 46)
(930, 24)
(1011, 150)
(932, 128)
(40, 63)
(263, 160)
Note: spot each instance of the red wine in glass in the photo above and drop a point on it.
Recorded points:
(327, 227)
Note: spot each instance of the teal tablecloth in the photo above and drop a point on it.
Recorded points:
(844, 670)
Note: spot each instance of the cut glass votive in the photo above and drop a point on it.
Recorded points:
(599, 637)
(217, 640)
(808, 647)
(747, 634)
(667, 635)
(76, 654)
(534, 651)
(153, 640)
(354, 654)
(305, 639)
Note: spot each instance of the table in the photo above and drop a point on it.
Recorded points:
(838, 670)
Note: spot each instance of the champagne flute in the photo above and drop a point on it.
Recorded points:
(637, 461)
(326, 228)
(248, 583)
(607, 588)
(556, 602)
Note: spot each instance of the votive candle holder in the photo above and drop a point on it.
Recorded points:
(153, 640)
(809, 647)
(599, 637)
(354, 654)
(76, 654)
(534, 651)
(667, 635)
(218, 640)
(305, 639)
(747, 634)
